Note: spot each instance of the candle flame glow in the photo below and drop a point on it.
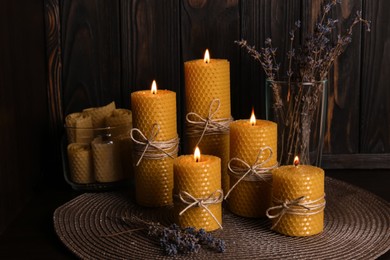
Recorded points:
(154, 87)
(206, 56)
(296, 161)
(252, 120)
(197, 154)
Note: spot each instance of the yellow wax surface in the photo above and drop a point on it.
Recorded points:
(159, 108)
(203, 83)
(98, 114)
(154, 178)
(206, 81)
(80, 163)
(291, 182)
(252, 198)
(200, 179)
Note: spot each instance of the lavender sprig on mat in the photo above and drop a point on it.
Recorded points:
(175, 240)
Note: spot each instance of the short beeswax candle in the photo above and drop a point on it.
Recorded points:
(298, 200)
(205, 81)
(255, 143)
(154, 177)
(198, 180)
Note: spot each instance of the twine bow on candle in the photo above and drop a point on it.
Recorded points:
(207, 126)
(214, 198)
(296, 206)
(149, 148)
(254, 172)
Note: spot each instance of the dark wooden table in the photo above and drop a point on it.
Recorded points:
(32, 236)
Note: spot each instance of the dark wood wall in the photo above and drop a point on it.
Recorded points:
(24, 115)
(111, 48)
(97, 51)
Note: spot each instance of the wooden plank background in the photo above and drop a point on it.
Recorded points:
(111, 48)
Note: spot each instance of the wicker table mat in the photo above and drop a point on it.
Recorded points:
(357, 226)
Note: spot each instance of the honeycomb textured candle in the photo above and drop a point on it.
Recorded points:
(204, 83)
(99, 114)
(200, 179)
(252, 198)
(106, 160)
(154, 178)
(79, 128)
(291, 182)
(80, 163)
(121, 122)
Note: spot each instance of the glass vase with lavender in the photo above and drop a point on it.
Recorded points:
(296, 99)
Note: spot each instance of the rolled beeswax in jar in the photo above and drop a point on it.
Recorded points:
(202, 181)
(106, 160)
(251, 197)
(205, 82)
(154, 177)
(79, 128)
(301, 188)
(118, 117)
(121, 122)
(80, 163)
(99, 114)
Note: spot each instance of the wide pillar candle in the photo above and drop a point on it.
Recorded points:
(301, 189)
(154, 177)
(205, 82)
(251, 197)
(202, 181)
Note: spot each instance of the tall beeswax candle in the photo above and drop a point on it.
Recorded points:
(198, 180)
(251, 197)
(205, 81)
(298, 198)
(154, 177)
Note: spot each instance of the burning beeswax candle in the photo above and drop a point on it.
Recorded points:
(254, 144)
(198, 191)
(207, 85)
(154, 116)
(298, 199)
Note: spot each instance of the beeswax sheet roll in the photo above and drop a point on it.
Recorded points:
(80, 163)
(79, 128)
(106, 160)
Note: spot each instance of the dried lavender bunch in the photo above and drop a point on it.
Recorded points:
(312, 60)
(297, 92)
(175, 240)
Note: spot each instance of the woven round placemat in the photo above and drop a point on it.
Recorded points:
(357, 226)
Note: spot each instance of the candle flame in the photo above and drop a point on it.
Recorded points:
(253, 118)
(296, 161)
(154, 87)
(206, 56)
(197, 154)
